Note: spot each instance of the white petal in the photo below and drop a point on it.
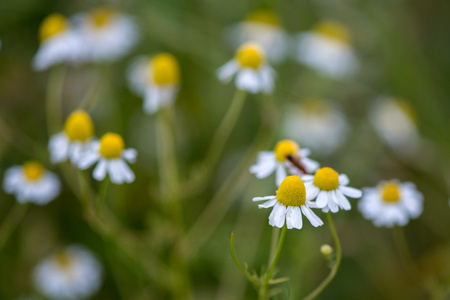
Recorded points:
(332, 202)
(263, 198)
(115, 171)
(289, 224)
(13, 179)
(311, 192)
(296, 216)
(100, 170)
(307, 177)
(130, 155)
(58, 147)
(322, 199)
(342, 200)
(152, 99)
(268, 204)
(226, 72)
(88, 159)
(343, 179)
(280, 174)
(248, 80)
(278, 215)
(264, 167)
(127, 173)
(350, 192)
(311, 216)
(267, 79)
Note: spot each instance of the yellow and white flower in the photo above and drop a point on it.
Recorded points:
(253, 74)
(76, 137)
(31, 182)
(391, 203)
(155, 78)
(60, 42)
(70, 273)
(292, 199)
(281, 160)
(330, 190)
(263, 27)
(110, 153)
(327, 49)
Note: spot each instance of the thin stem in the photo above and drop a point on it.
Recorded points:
(336, 264)
(53, 101)
(12, 220)
(243, 271)
(273, 244)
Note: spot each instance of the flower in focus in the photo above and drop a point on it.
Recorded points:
(60, 42)
(394, 121)
(110, 153)
(327, 49)
(76, 137)
(70, 273)
(292, 199)
(318, 125)
(31, 183)
(253, 74)
(391, 203)
(331, 190)
(264, 28)
(157, 79)
(282, 159)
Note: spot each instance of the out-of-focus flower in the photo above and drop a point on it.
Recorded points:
(317, 124)
(31, 183)
(391, 203)
(394, 120)
(76, 137)
(70, 273)
(331, 189)
(278, 159)
(327, 49)
(60, 42)
(110, 153)
(264, 28)
(291, 200)
(155, 78)
(253, 74)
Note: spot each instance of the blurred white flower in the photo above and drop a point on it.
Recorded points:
(279, 160)
(327, 49)
(31, 183)
(110, 153)
(77, 137)
(331, 189)
(155, 78)
(291, 200)
(264, 28)
(253, 74)
(70, 273)
(316, 124)
(391, 203)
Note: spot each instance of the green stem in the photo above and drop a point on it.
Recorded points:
(12, 220)
(273, 244)
(336, 264)
(53, 101)
(243, 271)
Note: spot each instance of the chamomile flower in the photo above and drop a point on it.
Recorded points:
(155, 78)
(70, 273)
(391, 203)
(280, 161)
(327, 48)
(317, 124)
(76, 137)
(110, 153)
(330, 189)
(107, 33)
(31, 182)
(292, 199)
(60, 42)
(263, 27)
(253, 74)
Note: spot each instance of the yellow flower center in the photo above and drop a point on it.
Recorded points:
(79, 126)
(52, 25)
(292, 192)
(284, 148)
(333, 30)
(33, 170)
(326, 179)
(390, 192)
(63, 259)
(111, 145)
(165, 69)
(263, 16)
(250, 55)
(101, 17)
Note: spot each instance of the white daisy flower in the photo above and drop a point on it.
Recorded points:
(394, 120)
(110, 153)
(253, 74)
(327, 49)
(316, 124)
(264, 28)
(292, 199)
(391, 203)
(108, 34)
(60, 42)
(76, 137)
(155, 78)
(31, 183)
(287, 156)
(331, 190)
(70, 273)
